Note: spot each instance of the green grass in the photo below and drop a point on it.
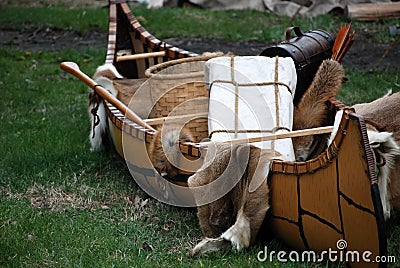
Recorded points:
(63, 206)
(365, 87)
(186, 23)
(79, 20)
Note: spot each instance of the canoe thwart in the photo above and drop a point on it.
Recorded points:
(139, 56)
(291, 134)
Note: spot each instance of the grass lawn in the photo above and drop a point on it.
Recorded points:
(64, 206)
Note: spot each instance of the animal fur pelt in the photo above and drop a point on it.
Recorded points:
(103, 76)
(383, 113)
(108, 77)
(383, 123)
(126, 88)
(164, 149)
(311, 111)
(385, 151)
(231, 192)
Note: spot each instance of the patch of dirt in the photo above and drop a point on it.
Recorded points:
(48, 38)
(50, 3)
(364, 53)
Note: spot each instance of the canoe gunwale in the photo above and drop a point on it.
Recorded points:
(121, 19)
(277, 166)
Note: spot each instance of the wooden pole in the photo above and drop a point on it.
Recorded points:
(73, 68)
(296, 13)
(373, 11)
(291, 134)
(384, 55)
(141, 56)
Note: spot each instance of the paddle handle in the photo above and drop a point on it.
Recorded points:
(73, 68)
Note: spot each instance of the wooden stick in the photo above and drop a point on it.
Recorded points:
(387, 51)
(296, 13)
(291, 134)
(141, 56)
(73, 68)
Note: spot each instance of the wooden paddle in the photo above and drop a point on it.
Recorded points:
(73, 68)
(278, 136)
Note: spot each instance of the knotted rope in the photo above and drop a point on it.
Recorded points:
(233, 82)
(96, 99)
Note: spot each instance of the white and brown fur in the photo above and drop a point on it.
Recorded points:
(164, 149)
(383, 127)
(236, 217)
(104, 76)
(234, 220)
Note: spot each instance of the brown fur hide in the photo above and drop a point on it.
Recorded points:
(383, 113)
(164, 149)
(126, 88)
(311, 111)
(238, 215)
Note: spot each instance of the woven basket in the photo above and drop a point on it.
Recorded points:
(165, 77)
(190, 98)
(178, 83)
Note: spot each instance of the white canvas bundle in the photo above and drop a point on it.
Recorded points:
(249, 108)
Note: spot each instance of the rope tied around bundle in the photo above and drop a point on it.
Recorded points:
(233, 82)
